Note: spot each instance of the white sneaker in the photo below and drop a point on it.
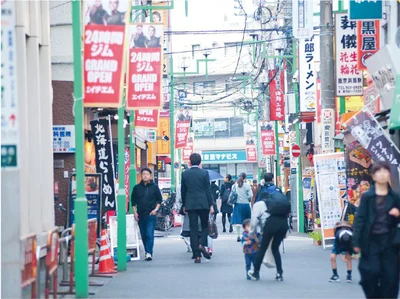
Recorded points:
(148, 257)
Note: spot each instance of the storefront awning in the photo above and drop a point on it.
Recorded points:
(306, 117)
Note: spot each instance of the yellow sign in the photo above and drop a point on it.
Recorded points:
(163, 147)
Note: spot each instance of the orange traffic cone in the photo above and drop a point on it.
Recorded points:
(106, 265)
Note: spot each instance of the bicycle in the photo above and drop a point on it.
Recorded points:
(165, 215)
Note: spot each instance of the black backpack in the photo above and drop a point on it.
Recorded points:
(277, 203)
(226, 194)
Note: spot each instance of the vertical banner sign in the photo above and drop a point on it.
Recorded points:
(163, 147)
(368, 41)
(328, 130)
(9, 107)
(302, 12)
(365, 9)
(349, 79)
(188, 150)
(104, 50)
(268, 142)
(127, 165)
(276, 90)
(308, 75)
(146, 118)
(144, 86)
(104, 165)
(181, 133)
(369, 133)
(251, 153)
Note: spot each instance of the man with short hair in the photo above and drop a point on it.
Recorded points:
(146, 201)
(197, 201)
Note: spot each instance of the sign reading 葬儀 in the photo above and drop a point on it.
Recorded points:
(64, 139)
(209, 157)
(365, 9)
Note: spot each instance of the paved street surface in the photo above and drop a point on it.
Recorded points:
(172, 274)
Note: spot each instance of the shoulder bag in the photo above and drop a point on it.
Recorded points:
(233, 196)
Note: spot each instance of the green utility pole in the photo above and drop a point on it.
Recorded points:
(132, 167)
(121, 205)
(172, 122)
(81, 217)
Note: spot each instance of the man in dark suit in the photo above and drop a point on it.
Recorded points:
(197, 201)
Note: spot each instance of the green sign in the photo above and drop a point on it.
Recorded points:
(8, 156)
(395, 110)
(365, 10)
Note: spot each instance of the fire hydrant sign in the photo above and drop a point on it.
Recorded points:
(9, 107)
(268, 142)
(146, 118)
(144, 79)
(181, 133)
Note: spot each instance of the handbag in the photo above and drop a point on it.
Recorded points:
(233, 196)
(269, 260)
(212, 228)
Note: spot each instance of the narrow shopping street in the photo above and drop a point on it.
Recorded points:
(172, 274)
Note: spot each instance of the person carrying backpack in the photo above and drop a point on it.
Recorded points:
(275, 227)
(226, 209)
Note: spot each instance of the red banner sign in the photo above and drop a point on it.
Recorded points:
(181, 133)
(251, 153)
(268, 142)
(368, 41)
(144, 80)
(187, 151)
(276, 89)
(103, 60)
(146, 118)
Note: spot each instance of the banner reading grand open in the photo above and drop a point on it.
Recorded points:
(144, 79)
(104, 52)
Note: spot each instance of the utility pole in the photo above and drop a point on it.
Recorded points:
(172, 122)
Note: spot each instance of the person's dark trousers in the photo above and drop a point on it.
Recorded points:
(194, 229)
(249, 259)
(275, 227)
(379, 269)
(147, 225)
(224, 219)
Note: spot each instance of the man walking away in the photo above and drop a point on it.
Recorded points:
(197, 201)
(146, 201)
(268, 187)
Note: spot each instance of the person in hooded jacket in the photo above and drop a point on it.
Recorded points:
(215, 194)
(226, 209)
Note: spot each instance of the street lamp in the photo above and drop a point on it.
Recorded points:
(206, 53)
(184, 64)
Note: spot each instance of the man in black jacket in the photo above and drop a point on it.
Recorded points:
(197, 201)
(146, 200)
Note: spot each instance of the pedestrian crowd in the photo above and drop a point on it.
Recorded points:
(259, 215)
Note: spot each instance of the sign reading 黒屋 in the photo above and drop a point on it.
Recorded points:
(104, 161)
(276, 90)
(146, 118)
(365, 9)
(307, 77)
(145, 62)
(268, 142)
(64, 139)
(223, 156)
(302, 12)
(251, 152)
(349, 79)
(368, 41)
(9, 99)
(181, 133)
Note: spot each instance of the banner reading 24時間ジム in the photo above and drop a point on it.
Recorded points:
(104, 48)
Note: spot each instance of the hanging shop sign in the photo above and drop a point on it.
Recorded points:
(349, 79)
(328, 130)
(104, 161)
(188, 150)
(208, 157)
(371, 99)
(302, 12)
(276, 91)
(144, 86)
(104, 48)
(181, 133)
(369, 133)
(330, 177)
(163, 130)
(365, 9)
(394, 123)
(64, 139)
(368, 41)
(251, 153)
(307, 74)
(268, 142)
(161, 167)
(146, 118)
(9, 99)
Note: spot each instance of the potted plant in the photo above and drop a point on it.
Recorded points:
(318, 222)
(317, 237)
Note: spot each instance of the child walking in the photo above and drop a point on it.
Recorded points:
(250, 245)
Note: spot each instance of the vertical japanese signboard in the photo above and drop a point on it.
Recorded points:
(276, 90)
(251, 152)
(328, 130)
(9, 105)
(163, 147)
(302, 12)
(268, 142)
(308, 75)
(188, 150)
(144, 79)
(368, 41)
(104, 160)
(349, 79)
(181, 133)
(104, 43)
(127, 165)
(369, 133)
(146, 118)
